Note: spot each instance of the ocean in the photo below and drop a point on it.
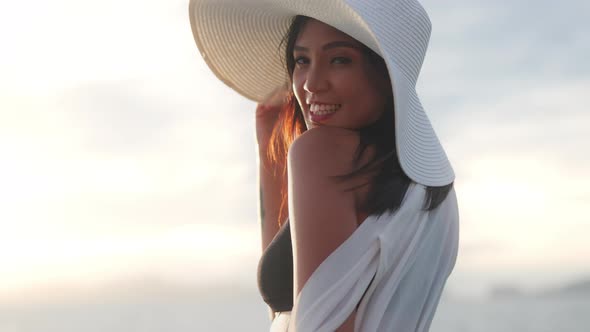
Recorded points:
(180, 309)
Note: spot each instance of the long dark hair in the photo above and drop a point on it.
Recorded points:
(388, 183)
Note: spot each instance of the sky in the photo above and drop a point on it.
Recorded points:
(123, 156)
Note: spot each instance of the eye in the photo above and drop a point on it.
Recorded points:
(299, 58)
(339, 59)
(342, 59)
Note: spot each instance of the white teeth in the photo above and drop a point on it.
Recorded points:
(323, 109)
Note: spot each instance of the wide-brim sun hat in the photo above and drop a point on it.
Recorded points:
(239, 40)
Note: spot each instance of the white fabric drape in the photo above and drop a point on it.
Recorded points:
(410, 254)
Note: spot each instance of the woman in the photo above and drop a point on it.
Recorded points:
(372, 229)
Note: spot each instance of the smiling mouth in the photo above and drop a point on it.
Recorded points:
(319, 110)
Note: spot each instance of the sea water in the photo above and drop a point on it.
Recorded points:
(227, 309)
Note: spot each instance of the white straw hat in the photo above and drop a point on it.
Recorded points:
(239, 40)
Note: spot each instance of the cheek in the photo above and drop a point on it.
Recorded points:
(372, 102)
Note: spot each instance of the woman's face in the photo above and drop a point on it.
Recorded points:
(331, 69)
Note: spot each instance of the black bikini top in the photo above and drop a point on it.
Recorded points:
(275, 271)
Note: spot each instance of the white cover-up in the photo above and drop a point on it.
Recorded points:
(410, 253)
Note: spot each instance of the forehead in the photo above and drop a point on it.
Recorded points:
(315, 33)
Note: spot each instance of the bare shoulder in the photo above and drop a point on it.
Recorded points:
(328, 148)
(322, 215)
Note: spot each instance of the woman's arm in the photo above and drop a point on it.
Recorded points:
(271, 182)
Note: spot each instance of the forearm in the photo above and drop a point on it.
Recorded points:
(271, 182)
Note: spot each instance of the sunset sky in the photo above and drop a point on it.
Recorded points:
(122, 155)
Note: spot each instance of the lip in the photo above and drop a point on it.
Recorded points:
(320, 118)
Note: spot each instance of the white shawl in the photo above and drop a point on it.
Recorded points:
(410, 253)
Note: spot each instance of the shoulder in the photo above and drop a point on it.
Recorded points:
(328, 148)
(322, 215)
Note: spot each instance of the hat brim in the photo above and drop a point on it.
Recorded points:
(240, 40)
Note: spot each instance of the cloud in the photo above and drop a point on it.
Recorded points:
(65, 42)
(155, 153)
(482, 51)
(118, 117)
(547, 123)
(118, 128)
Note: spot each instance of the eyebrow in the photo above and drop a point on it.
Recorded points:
(330, 45)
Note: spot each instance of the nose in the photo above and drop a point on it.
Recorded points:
(316, 80)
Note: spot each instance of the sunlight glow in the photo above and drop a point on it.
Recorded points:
(77, 208)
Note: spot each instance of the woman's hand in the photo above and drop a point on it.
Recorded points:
(267, 114)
